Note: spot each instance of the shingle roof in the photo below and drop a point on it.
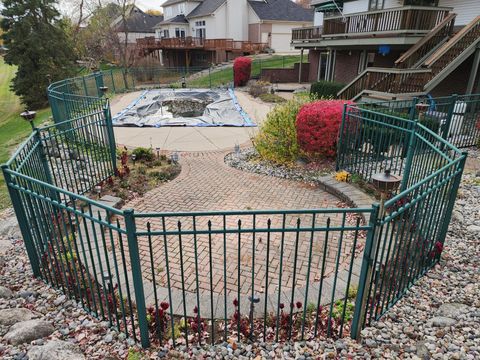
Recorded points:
(179, 19)
(281, 10)
(171, 2)
(141, 22)
(207, 7)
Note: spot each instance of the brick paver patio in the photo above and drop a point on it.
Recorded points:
(206, 183)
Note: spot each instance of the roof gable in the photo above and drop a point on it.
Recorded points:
(206, 8)
(138, 21)
(281, 10)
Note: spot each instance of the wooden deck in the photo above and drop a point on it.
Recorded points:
(150, 44)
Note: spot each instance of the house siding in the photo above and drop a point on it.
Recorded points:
(466, 10)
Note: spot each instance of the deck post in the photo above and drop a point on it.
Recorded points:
(473, 72)
(300, 69)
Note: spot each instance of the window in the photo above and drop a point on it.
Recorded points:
(181, 8)
(179, 33)
(201, 33)
(375, 4)
(166, 33)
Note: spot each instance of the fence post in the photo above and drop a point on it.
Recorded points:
(99, 82)
(22, 222)
(46, 167)
(339, 145)
(210, 76)
(410, 153)
(111, 136)
(113, 80)
(368, 265)
(448, 122)
(133, 251)
(451, 200)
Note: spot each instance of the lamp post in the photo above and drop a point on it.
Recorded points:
(384, 182)
(98, 190)
(254, 299)
(422, 109)
(103, 90)
(29, 116)
(175, 157)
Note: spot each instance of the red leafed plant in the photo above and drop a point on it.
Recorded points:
(242, 68)
(318, 124)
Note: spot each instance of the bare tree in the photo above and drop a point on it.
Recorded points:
(304, 3)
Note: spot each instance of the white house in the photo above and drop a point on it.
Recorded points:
(256, 21)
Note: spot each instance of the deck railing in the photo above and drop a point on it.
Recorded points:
(394, 21)
(388, 80)
(427, 44)
(192, 43)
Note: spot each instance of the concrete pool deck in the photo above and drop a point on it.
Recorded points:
(187, 139)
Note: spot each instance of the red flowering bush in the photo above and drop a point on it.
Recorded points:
(242, 68)
(318, 124)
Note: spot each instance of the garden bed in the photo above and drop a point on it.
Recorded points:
(135, 178)
(309, 172)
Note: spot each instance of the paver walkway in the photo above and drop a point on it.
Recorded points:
(206, 183)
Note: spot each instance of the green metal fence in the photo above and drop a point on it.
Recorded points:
(409, 232)
(194, 278)
(455, 118)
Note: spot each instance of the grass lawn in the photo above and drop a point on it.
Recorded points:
(13, 129)
(223, 77)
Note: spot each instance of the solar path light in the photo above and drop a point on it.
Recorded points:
(385, 183)
(29, 116)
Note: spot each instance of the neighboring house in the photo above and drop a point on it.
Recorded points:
(391, 48)
(198, 33)
(138, 25)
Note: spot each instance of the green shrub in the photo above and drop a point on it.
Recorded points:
(144, 154)
(277, 138)
(325, 89)
(272, 98)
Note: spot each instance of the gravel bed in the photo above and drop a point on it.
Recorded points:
(248, 160)
(439, 317)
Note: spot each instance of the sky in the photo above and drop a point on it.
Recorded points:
(149, 4)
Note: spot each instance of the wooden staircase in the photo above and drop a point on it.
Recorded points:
(422, 67)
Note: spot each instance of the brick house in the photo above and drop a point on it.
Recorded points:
(202, 32)
(392, 48)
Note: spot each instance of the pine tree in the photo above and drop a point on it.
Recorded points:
(38, 44)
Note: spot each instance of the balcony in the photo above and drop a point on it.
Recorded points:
(394, 22)
(193, 43)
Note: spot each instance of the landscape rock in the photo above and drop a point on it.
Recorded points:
(442, 321)
(452, 310)
(27, 331)
(5, 293)
(56, 350)
(8, 228)
(9, 317)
